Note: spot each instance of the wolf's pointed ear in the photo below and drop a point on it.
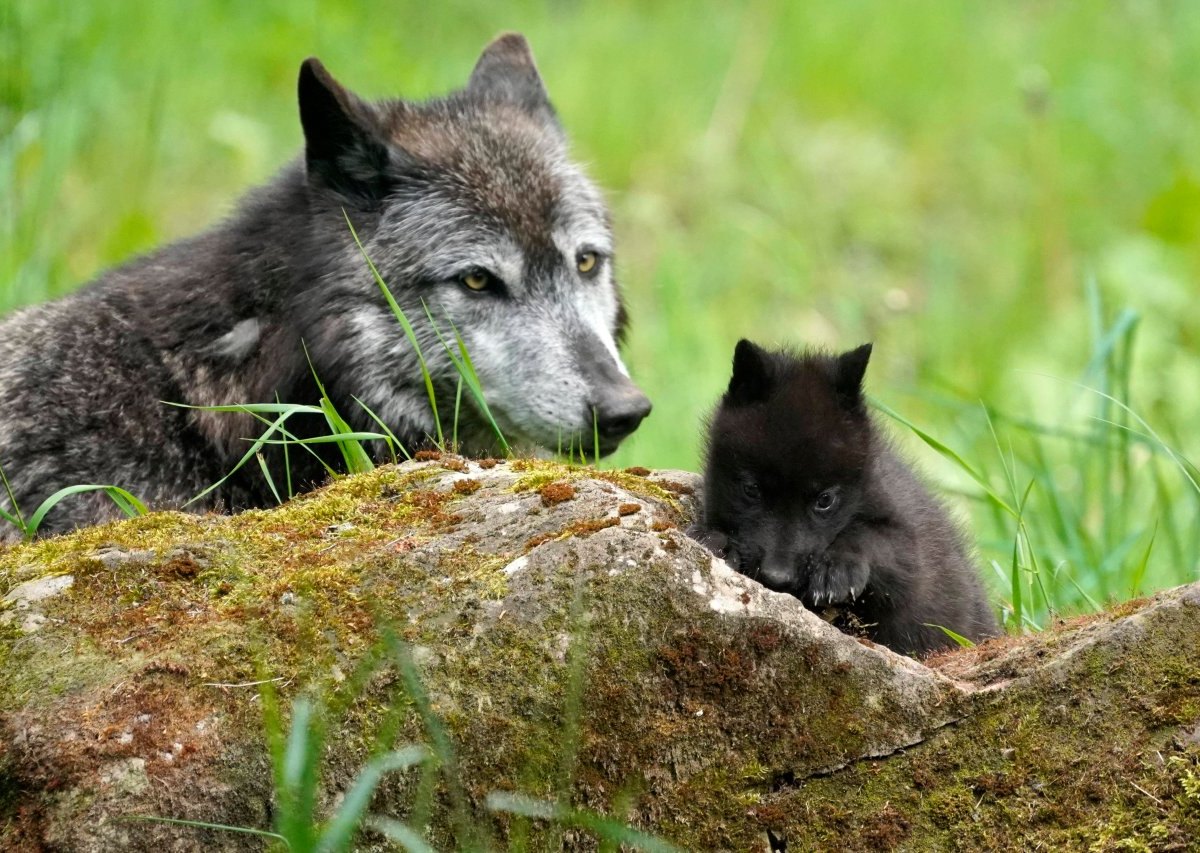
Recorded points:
(343, 149)
(506, 72)
(751, 380)
(848, 374)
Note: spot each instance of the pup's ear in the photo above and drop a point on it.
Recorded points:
(848, 374)
(751, 379)
(506, 72)
(343, 149)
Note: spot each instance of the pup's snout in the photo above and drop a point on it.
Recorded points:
(775, 573)
(619, 412)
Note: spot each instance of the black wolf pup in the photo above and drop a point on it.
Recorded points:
(468, 204)
(803, 494)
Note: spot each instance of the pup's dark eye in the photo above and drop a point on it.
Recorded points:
(477, 280)
(826, 501)
(588, 263)
(750, 490)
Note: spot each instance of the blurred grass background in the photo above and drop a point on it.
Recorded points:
(1004, 197)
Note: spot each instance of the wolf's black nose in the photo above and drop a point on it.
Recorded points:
(619, 413)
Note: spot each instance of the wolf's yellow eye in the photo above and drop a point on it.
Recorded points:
(477, 280)
(586, 262)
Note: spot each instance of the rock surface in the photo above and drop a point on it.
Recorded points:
(576, 646)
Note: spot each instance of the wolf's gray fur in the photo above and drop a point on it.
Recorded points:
(475, 187)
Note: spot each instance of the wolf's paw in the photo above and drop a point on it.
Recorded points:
(834, 578)
(713, 540)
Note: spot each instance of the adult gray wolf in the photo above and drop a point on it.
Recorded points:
(467, 203)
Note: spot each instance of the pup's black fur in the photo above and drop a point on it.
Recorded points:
(803, 494)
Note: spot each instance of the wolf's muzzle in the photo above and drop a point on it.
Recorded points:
(619, 411)
(617, 405)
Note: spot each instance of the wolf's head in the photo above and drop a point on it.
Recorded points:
(470, 206)
(787, 455)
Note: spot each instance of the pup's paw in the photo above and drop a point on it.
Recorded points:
(713, 540)
(834, 578)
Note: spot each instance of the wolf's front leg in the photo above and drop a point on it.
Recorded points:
(863, 555)
(835, 577)
(713, 540)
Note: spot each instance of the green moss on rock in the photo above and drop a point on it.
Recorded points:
(576, 651)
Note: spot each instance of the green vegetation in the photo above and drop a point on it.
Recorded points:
(1004, 197)
(552, 695)
(296, 750)
(371, 720)
(295, 758)
(461, 361)
(127, 503)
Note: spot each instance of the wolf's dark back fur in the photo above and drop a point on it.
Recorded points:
(793, 434)
(476, 186)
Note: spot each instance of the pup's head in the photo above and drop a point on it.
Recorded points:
(469, 205)
(788, 448)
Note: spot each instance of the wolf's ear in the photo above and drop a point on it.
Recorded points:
(751, 379)
(343, 149)
(848, 374)
(506, 72)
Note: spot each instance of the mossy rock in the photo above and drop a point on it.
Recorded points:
(576, 645)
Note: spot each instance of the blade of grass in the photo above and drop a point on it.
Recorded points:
(298, 779)
(457, 410)
(409, 332)
(395, 442)
(1181, 462)
(1111, 566)
(249, 454)
(400, 833)
(15, 517)
(1096, 606)
(126, 502)
(949, 454)
(13, 520)
(356, 458)
(466, 371)
(1015, 589)
(957, 638)
(622, 804)
(256, 410)
(330, 439)
(339, 832)
(425, 796)
(443, 749)
(1061, 513)
(1034, 565)
(266, 472)
(1173, 536)
(287, 464)
(253, 408)
(199, 824)
(474, 384)
(605, 827)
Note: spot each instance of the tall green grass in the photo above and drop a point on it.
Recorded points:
(1083, 504)
(938, 176)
